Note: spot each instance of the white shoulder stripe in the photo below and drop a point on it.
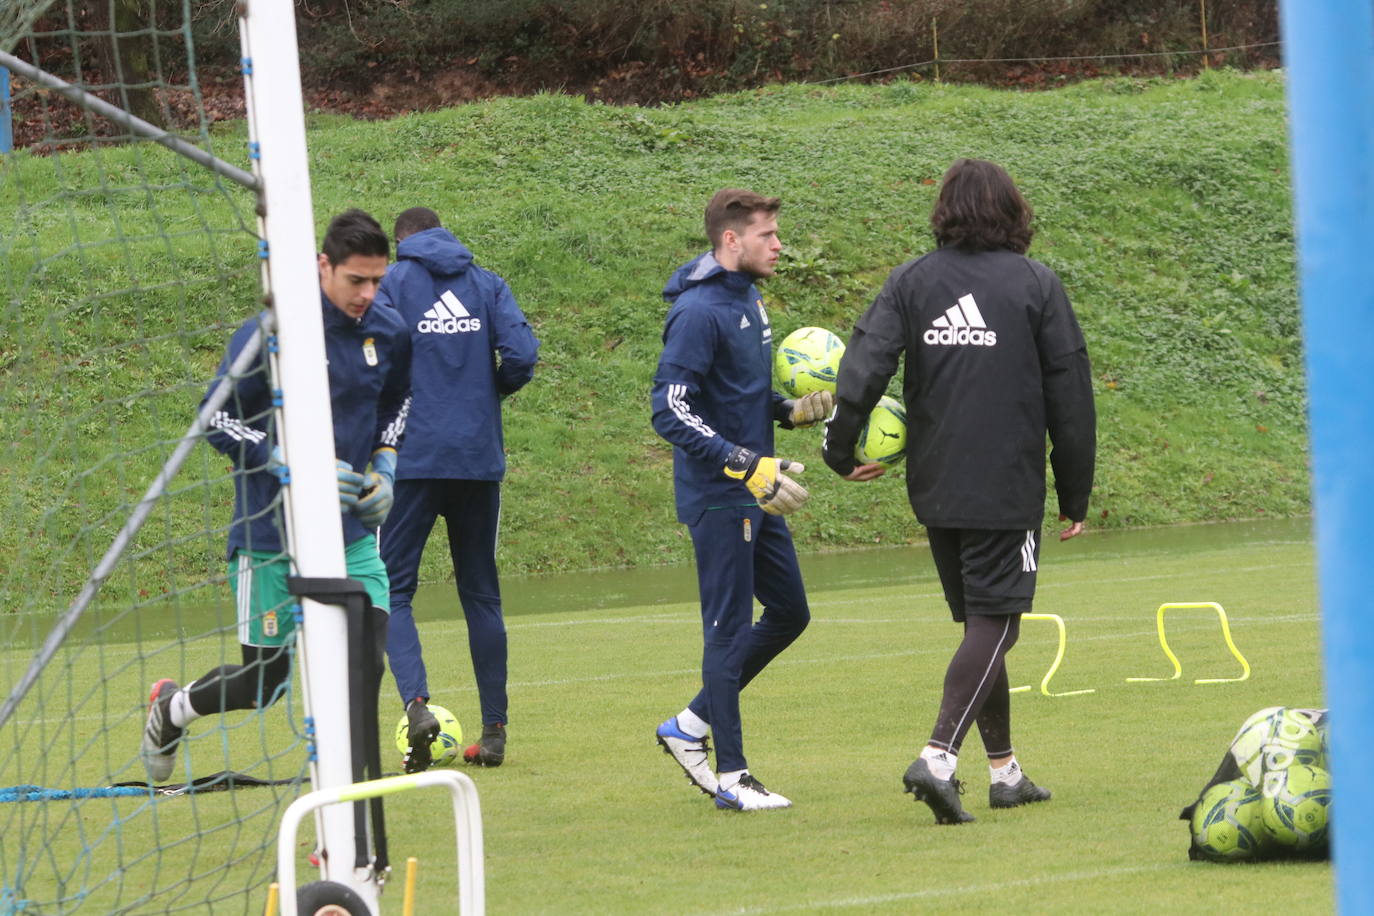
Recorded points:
(235, 428)
(397, 427)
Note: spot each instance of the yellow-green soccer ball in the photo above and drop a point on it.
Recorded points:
(808, 360)
(1228, 822)
(1297, 806)
(883, 438)
(1275, 738)
(446, 747)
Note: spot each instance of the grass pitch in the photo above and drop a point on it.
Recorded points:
(589, 816)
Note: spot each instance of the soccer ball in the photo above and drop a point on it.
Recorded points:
(1274, 739)
(808, 360)
(883, 437)
(446, 747)
(1228, 822)
(1297, 806)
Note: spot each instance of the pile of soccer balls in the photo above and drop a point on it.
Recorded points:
(1271, 797)
(808, 360)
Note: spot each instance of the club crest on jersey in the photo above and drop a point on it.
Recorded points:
(269, 624)
(448, 315)
(370, 351)
(763, 316)
(748, 531)
(962, 324)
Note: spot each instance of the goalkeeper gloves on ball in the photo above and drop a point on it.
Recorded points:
(376, 498)
(810, 409)
(777, 493)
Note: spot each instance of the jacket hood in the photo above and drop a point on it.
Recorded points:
(700, 269)
(437, 250)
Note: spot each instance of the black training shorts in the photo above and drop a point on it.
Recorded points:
(986, 571)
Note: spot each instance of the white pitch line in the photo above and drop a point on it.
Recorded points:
(973, 890)
(788, 662)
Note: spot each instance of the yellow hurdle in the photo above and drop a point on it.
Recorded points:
(1178, 668)
(1058, 659)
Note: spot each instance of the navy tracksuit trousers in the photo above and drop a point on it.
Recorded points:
(472, 511)
(742, 553)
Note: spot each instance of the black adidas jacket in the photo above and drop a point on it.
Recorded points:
(995, 359)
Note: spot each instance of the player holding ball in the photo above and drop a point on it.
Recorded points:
(995, 360)
(713, 399)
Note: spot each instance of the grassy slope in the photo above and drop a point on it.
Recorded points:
(1162, 204)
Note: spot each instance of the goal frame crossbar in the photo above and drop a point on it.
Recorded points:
(133, 124)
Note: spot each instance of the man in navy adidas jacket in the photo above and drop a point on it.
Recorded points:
(368, 354)
(995, 360)
(713, 400)
(472, 348)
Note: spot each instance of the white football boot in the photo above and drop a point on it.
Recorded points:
(749, 795)
(692, 754)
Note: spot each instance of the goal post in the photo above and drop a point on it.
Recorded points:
(129, 253)
(276, 130)
(1329, 67)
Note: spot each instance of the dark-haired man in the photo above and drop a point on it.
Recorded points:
(473, 348)
(713, 400)
(995, 360)
(368, 353)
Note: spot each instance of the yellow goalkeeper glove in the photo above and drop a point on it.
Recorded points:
(777, 493)
(810, 409)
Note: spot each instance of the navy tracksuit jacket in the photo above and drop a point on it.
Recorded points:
(713, 391)
(472, 347)
(369, 375)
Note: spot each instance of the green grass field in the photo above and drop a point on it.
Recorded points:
(589, 816)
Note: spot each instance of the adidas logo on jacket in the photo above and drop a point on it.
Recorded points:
(961, 324)
(448, 316)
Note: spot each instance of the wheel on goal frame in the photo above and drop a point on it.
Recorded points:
(329, 898)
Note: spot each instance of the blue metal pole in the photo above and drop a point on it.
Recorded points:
(6, 130)
(1329, 58)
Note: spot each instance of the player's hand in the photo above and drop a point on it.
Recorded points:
(810, 409)
(1074, 529)
(350, 484)
(377, 493)
(777, 493)
(866, 472)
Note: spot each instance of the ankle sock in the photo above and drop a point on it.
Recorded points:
(730, 778)
(1010, 774)
(942, 763)
(182, 714)
(692, 724)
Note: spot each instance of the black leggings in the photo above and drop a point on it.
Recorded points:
(976, 686)
(252, 685)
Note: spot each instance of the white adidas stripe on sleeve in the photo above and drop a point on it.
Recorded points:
(677, 401)
(235, 428)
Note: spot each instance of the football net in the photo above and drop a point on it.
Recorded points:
(130, 249)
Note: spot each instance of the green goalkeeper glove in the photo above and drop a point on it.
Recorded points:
(375, 501)
(350, 482)
(777, 493)
(810, 409)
